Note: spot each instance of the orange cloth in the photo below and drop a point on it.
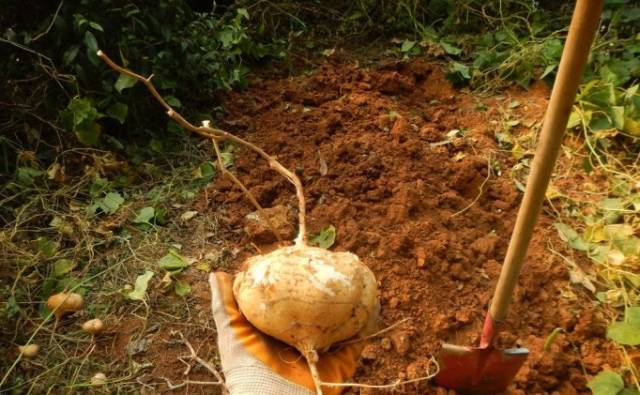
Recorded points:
(335, 366)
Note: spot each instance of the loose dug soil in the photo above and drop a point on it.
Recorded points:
(418, 204)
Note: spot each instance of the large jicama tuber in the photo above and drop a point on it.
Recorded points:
(307, 297)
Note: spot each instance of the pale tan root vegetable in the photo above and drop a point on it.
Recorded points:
(64, 303)
(98, 379)
(29, 350)
(307, 297)
(93, 327)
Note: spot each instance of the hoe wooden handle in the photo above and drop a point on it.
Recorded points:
(584, 23)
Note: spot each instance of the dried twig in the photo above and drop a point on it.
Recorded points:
(194, 356)
(240, 185)
(215, 133)
(172, 386)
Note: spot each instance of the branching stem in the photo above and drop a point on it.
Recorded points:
(216, 133)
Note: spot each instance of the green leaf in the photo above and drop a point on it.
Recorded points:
(145, 215)
(606, 383)
(450, 48)
(140, 288)
(227, 159)
(27, 175)
(118, 111)
(111, 202)
(89, 134)
(173, 101)
(243, 12)
(46, 247)
(124, 82)
(407, 45)
(226, 37)
(626, 332)
(548, 70)
(63, 266)
(96, 26)
(90, 41)
(173, 262)
(457, 70)
(571, 237)
(617, 116)
(326, 238)
(182, 288)
(70, 55)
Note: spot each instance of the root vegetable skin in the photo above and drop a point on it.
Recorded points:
(94, 326)
(307, 297)
(64, 303)
(29, 350)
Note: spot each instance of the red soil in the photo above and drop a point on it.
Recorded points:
(424, 215)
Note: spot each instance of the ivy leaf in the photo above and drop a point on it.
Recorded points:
(173, 262)
(46, 247)
(145, 215)
(326, 238)
(407, 45)
(182, 288)
(118, 111)
(124, 82)
(70, 55)
(606, 383)
(458, 72)
(626, 332)
(89, 134)
(90, 41)
(571, 237)
(63, 266)
(27, 175)
(111, 202)
(140, 288)
(450, 48)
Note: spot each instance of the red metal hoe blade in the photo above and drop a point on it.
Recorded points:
(475, 370)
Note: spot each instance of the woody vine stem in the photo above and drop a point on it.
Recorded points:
(216, 134)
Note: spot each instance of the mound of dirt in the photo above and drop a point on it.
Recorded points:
(408, 171)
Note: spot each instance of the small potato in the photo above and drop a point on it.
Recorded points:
(29, 350)
(94, 326)
(64, 303)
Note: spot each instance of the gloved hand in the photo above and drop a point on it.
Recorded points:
(256, 364)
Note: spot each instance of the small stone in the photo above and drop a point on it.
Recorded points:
(385, 343)
(401, 342)
(370, 352)
(394, 302)
(463, 317)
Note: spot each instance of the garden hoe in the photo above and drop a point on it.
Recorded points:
(487, 369)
